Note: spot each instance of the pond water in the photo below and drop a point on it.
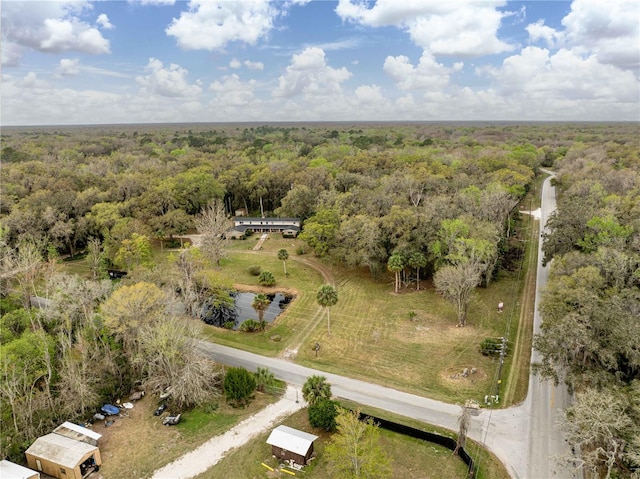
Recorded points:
(242, 309)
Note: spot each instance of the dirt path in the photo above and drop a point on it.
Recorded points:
(211, 452)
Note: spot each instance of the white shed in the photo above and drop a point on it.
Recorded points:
(11, 470)
(289, 443)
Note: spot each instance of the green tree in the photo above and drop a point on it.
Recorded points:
(354, 452)
(320, 231)
(327, 297)
(316, 388)
(323, 414)
(266, 278)
(283, 255)
(395, 264)
(134, 252)
(239, 385)
(260, 304)
(417, 260)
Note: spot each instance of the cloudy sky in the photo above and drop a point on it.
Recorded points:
(149, 61)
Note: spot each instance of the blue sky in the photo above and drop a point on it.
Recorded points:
(149, 61)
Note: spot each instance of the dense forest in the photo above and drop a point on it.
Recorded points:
(419, 200)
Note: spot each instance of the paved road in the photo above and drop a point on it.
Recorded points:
(544, 401)
(524, 437)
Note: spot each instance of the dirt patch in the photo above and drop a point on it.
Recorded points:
(455, 377)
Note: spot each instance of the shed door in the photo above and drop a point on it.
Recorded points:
(39, 465)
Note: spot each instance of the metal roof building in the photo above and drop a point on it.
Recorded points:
(62, 457)
(79, 433)
(288, 443)
(10, 470)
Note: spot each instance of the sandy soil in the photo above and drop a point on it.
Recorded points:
(211, 452)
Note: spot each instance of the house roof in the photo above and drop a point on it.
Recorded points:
(78, 433)
(291, 440)
(60, 450)
(10, 470)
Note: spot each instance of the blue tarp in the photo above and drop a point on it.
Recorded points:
(110, 409)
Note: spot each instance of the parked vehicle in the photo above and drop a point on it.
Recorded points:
(160, 409)
(171, 420)
(110, 409)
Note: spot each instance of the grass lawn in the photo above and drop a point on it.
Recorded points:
(409, 457)
(408, 341)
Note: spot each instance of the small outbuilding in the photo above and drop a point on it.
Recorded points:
(11, 470)
(79, 433)
(63, 457)
(291, 444)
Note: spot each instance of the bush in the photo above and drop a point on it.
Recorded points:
(255, 270)
(228, 324)
(323, 414)
(239, 385)
(250, 326)
(266, 279)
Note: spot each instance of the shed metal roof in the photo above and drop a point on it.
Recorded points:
(79, 433)
(10, 470)
(291, 439)
(60, 450)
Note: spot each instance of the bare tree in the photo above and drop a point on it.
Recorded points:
(170, 358)
(463, 420)
(597, 424)
(213, 223)
(456, 283)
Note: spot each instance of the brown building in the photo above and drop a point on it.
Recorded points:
(63, 457)
(290, 444)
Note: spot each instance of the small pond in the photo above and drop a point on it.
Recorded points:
(218, 314)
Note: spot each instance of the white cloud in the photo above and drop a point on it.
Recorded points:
(609, 29)
(168, 82)
(463, 27)
(68, 67)
(309, 74)
(253, 65)
(154, 2)
(235, 63)
(231, 91)
(210, 25)
(536, 74)
(31, 81)
(540, 31)
(51, 27)
(103, 21)
(427, 75)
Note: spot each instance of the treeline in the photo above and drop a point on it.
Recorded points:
(65, 187)
(590, 335)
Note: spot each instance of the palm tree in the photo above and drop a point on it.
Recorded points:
(283, 255)
(315, 389)
(260, 303)
(265, 379)
(327, 297)
(396, 264)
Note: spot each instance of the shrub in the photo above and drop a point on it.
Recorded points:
(254, 270)
(266, 278)
(228, 324)
(250, 326)
(239, 385)
(323, 414)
